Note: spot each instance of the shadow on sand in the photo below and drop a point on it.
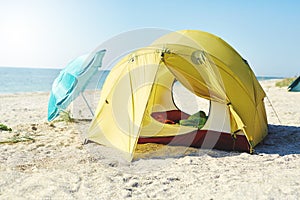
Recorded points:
(282, 140)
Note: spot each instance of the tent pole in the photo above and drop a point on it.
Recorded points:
(87, 103)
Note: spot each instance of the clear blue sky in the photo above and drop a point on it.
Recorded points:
(49, 33)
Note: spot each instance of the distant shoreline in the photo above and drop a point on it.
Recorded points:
(262, 78)
(3, 94)
(26, 80)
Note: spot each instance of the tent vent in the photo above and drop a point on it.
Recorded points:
(198, 57)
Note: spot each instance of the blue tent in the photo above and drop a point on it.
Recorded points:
(295, 85)
(72, 81)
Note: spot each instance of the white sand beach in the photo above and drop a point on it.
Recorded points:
(54, 164)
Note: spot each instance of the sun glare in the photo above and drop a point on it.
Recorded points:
(16, 33)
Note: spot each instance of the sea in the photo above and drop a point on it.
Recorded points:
(20, 80)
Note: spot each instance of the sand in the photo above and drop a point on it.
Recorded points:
(52, 163)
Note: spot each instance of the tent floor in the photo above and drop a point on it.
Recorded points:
(207, 139)
(203, 139)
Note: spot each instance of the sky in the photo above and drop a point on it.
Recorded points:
(50, 33)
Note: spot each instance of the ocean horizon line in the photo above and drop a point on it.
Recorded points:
(58, 68)
(23, 80)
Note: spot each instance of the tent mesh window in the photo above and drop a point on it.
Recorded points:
(187, 102)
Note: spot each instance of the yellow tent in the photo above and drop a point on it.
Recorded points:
(139, 88)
